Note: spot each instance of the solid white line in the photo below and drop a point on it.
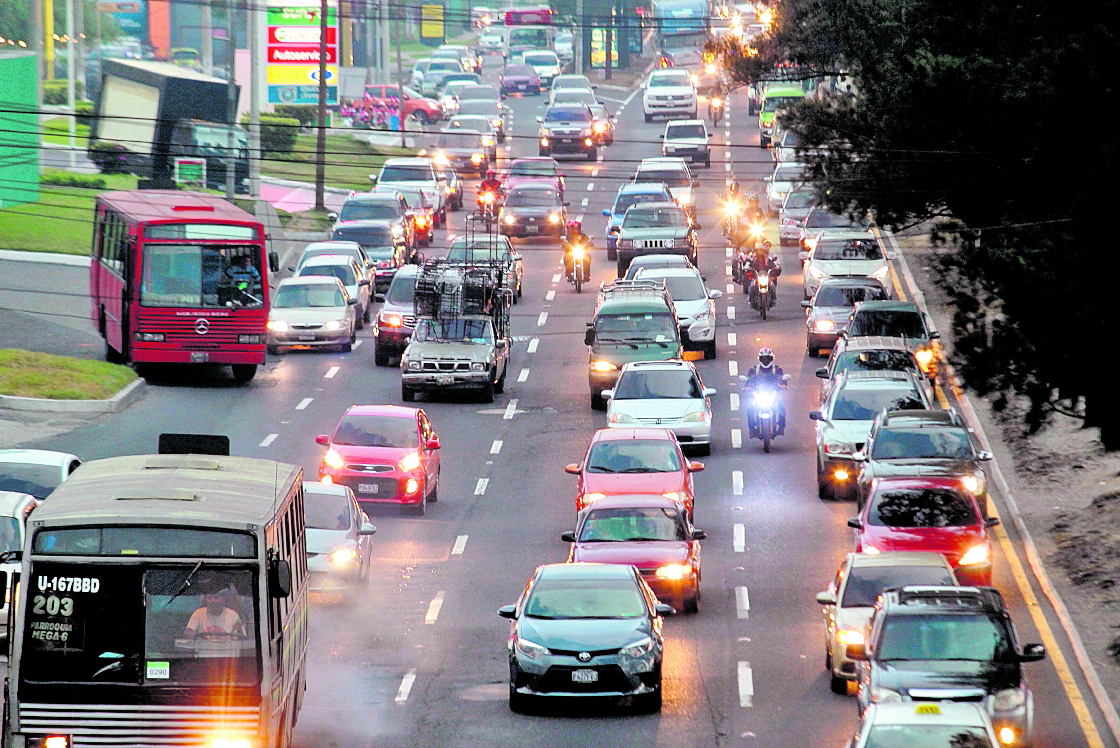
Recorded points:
(550, 295)
(733, 368)
(739, 538)
(540, 320)
(742, 600)
(480, 487)
(460, 545)
(511, 409)
(533, 345)
(730, 288)
(357, 344)
(736, 439)
(731, 312)
(521, 377)
(730, 251)
(304, 403)
(433, 608)
(746, 684)
(331, 372)
(734, 401)
(406, 686)
(732, 339)
(737, 490)
(268, 440)
(556, 278)
(590, 186)
(496, 447)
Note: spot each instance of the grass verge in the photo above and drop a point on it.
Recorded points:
(62, 220)
(349, 162)
(56, 131)
(28, 374)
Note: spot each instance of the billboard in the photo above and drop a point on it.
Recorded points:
(431, 24)
(292, 53)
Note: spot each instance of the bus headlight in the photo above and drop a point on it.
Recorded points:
(476, 158)
(247, 339)
(56, 741)
(228, 743)
(150, 337)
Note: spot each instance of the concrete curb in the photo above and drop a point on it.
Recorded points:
(1030, 550)
(118, 402)
(54, 258)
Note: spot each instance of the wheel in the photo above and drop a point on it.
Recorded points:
(419, 510)
(515, 297)
(766, 443)
(543, 152)
(520, 293)
(593, 154)
(597, 401)
(763, 306)
(500, 387)
(244, 372)
(710, 350)
(380, 357)
(518, 702)
(422, 117)
(649, 118)
(824, 489)
(347, 346)
(827, 657)
(651, 703)
(360, 322)
(486, 394)
(837, 685)
(366, 313)
(692, 604)
(407, 394)
(579, 280)
(273, 350)
(434, 495)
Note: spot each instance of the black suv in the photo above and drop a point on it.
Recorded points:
(947, 643)
(910, 443)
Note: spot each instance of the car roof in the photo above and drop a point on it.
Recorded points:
(633, 432)
(393, 411)
(952, 713)
(663, 161)
(407, 161)
(585, 571)
(679, 271)
(35, 456)
(667, 365)
(13, 503)
(672, 122)
(374, 196)
(874, 380)
(655, 205)
(340, 244)
(333, 489)
(888, 306)
(942, 599)
(642, 188)
(847, 281)
(535, 186)
(309, 280)
(897, 558)
(678, 261)
(909, 419)
(538, 159)
(569, 106)
(621, 501)
(318, 260)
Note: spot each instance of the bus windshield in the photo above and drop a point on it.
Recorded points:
(200, 275)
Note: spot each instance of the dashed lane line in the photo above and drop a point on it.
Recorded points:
(331, 372)
(541, 318)
(730, 288)
(583, 203)
(304, 403)
(595, 171)
(730, 251)
(590, 186)
(732, 339)
(533, 345)
(406, 686)
(737, 490)
(511, 410)
(523, 375)
(460, 545)
(727, 270)
(742, 601)
(734, 401)
(739, 537)
(736, 438)
(556, 278)
(480, 486)
(551, 295)
(746, 684)
(357, 344)
(733, 368)
(731, 312)
(433, 608)
(268, 440)
(496, 447)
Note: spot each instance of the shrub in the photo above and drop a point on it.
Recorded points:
(109, 157)
(84, 111)
(307, 114)
(64, 179)
(54, 92)
(278, 134)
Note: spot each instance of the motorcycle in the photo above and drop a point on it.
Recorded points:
(765, 408)
(733, 210)
(715, 110)
(488, 206)
(761, 296)
(579, 267)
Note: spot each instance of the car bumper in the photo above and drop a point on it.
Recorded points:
(669, 107)
(822, 339)
(444, 381)
(326, 577)
(378, 488)
(395, 338)
(308, 338)
(841, 475)
(520, 87)
(693, 333)
(602, 380)
(691, 153)
(569, 145)
(842, 667)
(788, 232)
(974, 575)
(617, 676)
(522, 230)
(673, 592)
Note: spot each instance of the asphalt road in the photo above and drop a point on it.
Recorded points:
(421, 661)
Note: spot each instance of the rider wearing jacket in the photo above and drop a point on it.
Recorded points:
(760, 260)
(767, 373)
(575, 237)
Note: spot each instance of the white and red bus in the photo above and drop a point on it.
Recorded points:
(180, 278)
(539, 15)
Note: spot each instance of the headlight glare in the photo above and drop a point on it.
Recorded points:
(674, 571)
(844, 637)
(881, 695)
(602, 366)
(824, 325)
(410, 461)
(977, 554)
(333, 459)
(1008, 699)
(343, 555)
(277, 325)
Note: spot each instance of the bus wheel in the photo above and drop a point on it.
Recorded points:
(244, 372)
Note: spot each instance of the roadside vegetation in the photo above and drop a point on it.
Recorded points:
(349, 161)
(42, 375)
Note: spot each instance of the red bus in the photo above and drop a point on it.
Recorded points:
(180, 277)
(529, 16)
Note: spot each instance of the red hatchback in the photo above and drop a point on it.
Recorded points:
(651, 533)
(386, 454)
(634, 460)
(534, 169)
(927, 514)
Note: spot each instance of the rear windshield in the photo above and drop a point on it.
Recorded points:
(849, 250)
(951, 444)
(517, 71)
(402, 290)
(894, 323)
(488, 93)
(458, 140)
(847, 296)
(343, 272)
(484, 107)
(866, 583)
(573, 96)
(540, 58)
(613, 328)
(685, 131)
(567, 115)
(799, 201)
(376, 431)
(772, 103)
(823, 219)
(882, 360)
(921, 507)
(533, 169)
(863, 405)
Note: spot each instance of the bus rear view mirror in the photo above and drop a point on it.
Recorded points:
(274, 261)
(279, 578)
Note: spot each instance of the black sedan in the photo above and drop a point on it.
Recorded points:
(533, 210)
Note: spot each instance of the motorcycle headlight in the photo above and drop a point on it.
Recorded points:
(478, 366)
(544, 142)
(496, 122)
(824, 325)
(476, 158)
(673, 571)
(441, 159)
(343, 556)
(638, 649)
(844, 637)
(699, 416)
(554, 218)
(815, 272)
(532, 650)
(621, 418)
(764, 398)
(397, 230)
(977, 554)
(881, 695)
(1008, 699)
(578, 253)
(333, 459)
(881, 273)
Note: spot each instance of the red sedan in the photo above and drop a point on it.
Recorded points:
(927, 514)
(386, 454)
(651, 533)
(534, 169)
(634, 460)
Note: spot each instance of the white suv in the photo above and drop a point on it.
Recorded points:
(675, 175)
(687, 138)
(669, 92)
(415, 172)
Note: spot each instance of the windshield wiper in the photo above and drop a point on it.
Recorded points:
(601, 468)
(648, 539)
(183, 587)
(599, 339)
(640, 470)
(648, 341)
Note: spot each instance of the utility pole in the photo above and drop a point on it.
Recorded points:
(321, 140)
(577, 49)
(37, 46)
(383, 42)
(71, 50)
(231, 88)
(608, 42)
(207, 41)
(254, 100)
(80, 33)
(400, 71)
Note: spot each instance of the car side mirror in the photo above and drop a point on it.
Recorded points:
(1032, 653)
(859, 456)
(714, 293)
(806, 304)
(607, 213)
(567, 205)
(664, 610)
(786, 378)
(767, 178)
(501, 343)
(711, 134)
(589, 336)
(991, 521)
(379, 298)
(279, 577)
(432, 443)
(826, 598)
(709, 391)
(367, 529)
(363, 282)
(572, 468)
(352, 302)
(332, 216)
(855, 523)
(695, 184)
(568, 537)
(695, 466)
(985, 455)
(607, 394)
(373, 179)
(662, 136)
(508, 611)
(856, 652)
(274, 262)
(540, 119)
(323, 439)
(822, 373)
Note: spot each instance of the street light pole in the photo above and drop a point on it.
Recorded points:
(71, 50)
(231, 88)
(207, 41)
(400, 72)
(321, 139)
(254, 101)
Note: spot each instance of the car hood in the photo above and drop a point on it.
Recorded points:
(854, 618)
(850, 432)
(644, 554)
(924, 467)
(307, 316)
(686, 142)
(849, 267)
(583, 634)
(512, 182)
(838, 314)
(904, 675)
(370, 455)
(662, 407)
(669, 91)
(326, 541)
(656, 232)
(620, 484)
(440, 351)
(950, 541)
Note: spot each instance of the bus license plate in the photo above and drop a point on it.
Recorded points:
(199, 358)
(585, 676)
(367, 488)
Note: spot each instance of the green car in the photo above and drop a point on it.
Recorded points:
(774, 97)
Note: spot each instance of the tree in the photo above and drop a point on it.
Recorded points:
(993, 117)
(15, 19)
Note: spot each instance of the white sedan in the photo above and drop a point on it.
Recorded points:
(844, 256)
(663, 393)
(693, 303)
(35, 471)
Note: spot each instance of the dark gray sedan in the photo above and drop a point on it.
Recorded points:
(828, 310)
(584, 630)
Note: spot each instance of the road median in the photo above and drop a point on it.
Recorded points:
(45, 383)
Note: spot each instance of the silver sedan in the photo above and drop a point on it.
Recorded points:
(311, 312)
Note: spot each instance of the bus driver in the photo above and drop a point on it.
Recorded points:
(214, 619)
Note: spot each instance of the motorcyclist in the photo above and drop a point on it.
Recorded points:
(576, 238)
(765, 372)
(715, 110)
(751, 222)
(734, 209)
(761, 259)
(491, 183)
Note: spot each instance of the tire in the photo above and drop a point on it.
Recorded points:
(764, 305)
(837, 685)
(520, 292)
(766, 442)
(422, 117)
(518, 702)
(407, 394)
(710, 351)
(692, 604)
(622, 267)
(708, 162)
(500, 387)
(273, 350)
(543, 152)
(244, 372)
(704, 449)
(360, 322)
(651, 703)
(597, 401)
(824, 490)
(347, 346)
(380, 357)
(433, 497)
(577, 272)
(417, 511)
(593, 154)
(486, 393)
(365, 314)
(649, 118)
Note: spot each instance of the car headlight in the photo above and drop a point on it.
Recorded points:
(602, 366)
(1009, 698)
(391, 320)
(703, 314)
(815, 272)
(824, 325)
(810, 242)
(881, 695)
(277, 325)
(974, 483)
(924, 357)
(487, 140)
(333, 459)
(509, 219)
(699, 416)
(593, 497)
(441, 159)
(674, 571)
(675, 495)
(478, 366)
(414, 365)
(588, 141)
(977, 554)
(496, 122)
(881, 273)
(397, 230)
(554, 218)
(837, 448)
(844, 637)
(410, 461)
(621, 418)
(870, 550)
(476, 158)
(334, 324)
(599, 127)
(685, 199)
(343, 556)
(639, 648)
(532, 650)
(544, 142)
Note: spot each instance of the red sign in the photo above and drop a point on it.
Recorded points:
(541, 16)
(300, 54)
(300, 35)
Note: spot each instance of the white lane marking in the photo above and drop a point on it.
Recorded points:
(550, 295)
(746, 684)
(730, 251)
(523, 375)
(304, 403)
(727, 154)
(590, 186)
(730, 288)
(600, 159)
(595, 172)
(357, 344)
(480, 487)
(731, 312)
(540, 320)
(739, 538)
(732, 339)
(406, 686)
(460, 545)
(742, 600)
(268, 440)
(734, 401)
(511, 409)
(583, 203)
(331, 372)
(533, 345)
(728, 166)
(736, 438)
(727, 269)
(496, 447)
(579, 217)
(556, 278)
(433, 608)
(733, 368)
(737, 490)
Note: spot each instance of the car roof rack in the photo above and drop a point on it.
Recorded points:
(919, 418)
(970, 598)
(624, 289)
(865, 375)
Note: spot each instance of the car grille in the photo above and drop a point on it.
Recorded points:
(123, 725)
(371, 488)
(576, 652)
(611, 678)
(446, 365)
(685, 97)
(655, 421)
(305, 326)
(655, 243)
(358, 467)
(950, 694)
(221, 330)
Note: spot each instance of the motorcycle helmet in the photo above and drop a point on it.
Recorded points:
(752, 199)
(766, 358)
(491, 174)
(733, 188)
(574, 229)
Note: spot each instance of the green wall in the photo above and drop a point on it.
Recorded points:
(19, 130)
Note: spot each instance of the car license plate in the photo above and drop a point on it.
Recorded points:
(367, 488)
(532, 228)
(445, 379)
(585, 676)
(307, 336)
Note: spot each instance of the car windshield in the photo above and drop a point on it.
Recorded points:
(567, 115)
(303, 296)
(685, 131)
(406, 173)
(679, 79)
(533, 198)
(921, 507)
(866, 583)
(823, 219)
(586, 598)
(11, 535)
(376, 431)
(519, 71)
(478, 253)
(855, 404)
(684, 287)
(633, 456)
(573, 96)
(651, 218)
(459, 140)
(798, 201)
(327, 511)
(402, 290)
(882, 360)
(365, 234)
(454, 331)
(453, 87)
(927, 736)
(355, 210)
(485, 107)
(789, 173)
(789, 139)
(473, 122)
(485, 93)
(565, 82)
(676, 384)
(772, 103)
(344, 273)
(540, 58)
(632, 523)
(856, 250)
(533, 169)
(625, 200)
(671, 177)
(37, 480)
(943, 443)
(660, 328)
(192, 275)
(889, 323)
(847, 296)
(386, 253)
(944, 637)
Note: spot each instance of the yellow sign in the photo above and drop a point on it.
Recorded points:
(306, 75)
(928, 709)
(431, 22)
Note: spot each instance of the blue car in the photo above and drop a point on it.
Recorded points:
(630, 194)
